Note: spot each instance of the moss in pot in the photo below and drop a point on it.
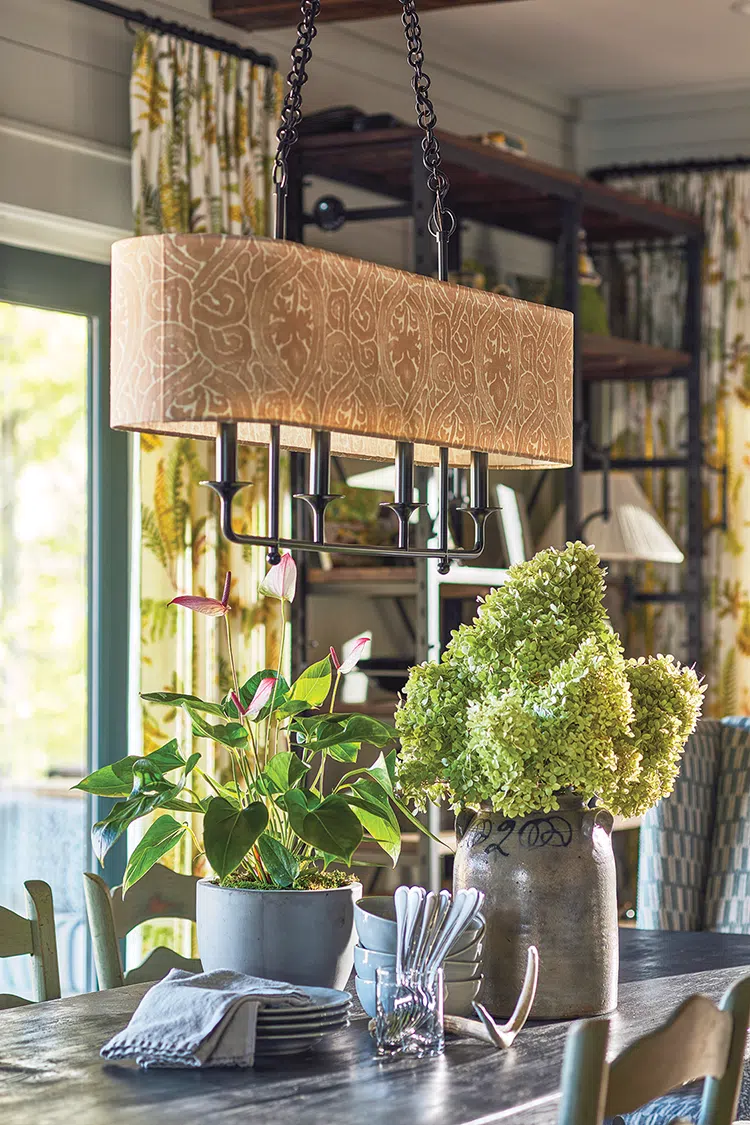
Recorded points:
(274, 907)
(536, 729)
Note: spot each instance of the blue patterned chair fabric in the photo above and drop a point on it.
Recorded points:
(694, 864)
(662, 1111)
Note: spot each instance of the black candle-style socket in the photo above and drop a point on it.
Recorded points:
(319, 496)
(403, 494)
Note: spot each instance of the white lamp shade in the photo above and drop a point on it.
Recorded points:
(633, 532)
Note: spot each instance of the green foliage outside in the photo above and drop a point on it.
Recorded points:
(43, 504)
(535, 697)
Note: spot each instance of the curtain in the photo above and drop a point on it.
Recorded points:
(203, 141)
(651, 418)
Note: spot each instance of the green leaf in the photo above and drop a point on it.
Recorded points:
(332, 827)
(173, 699)
(349, 728)
(361, 728)
(297, 803)
(229, 734)
(281, 865)
(344, 751)
(116, 780)
(229, 833)
(314, 683)
(374, 812)
(107, 832)
(292, 707)
(283, 772)
(160, 838)
(147, 778)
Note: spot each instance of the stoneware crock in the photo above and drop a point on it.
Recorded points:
(549, 881)
(305, 937)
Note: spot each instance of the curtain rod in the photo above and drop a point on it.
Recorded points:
(645, 168)
(181, 32)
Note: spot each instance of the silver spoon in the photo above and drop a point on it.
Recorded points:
(466, 905)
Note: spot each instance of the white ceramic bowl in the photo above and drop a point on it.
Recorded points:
(367, 961)
(375, 919)
(458, 996)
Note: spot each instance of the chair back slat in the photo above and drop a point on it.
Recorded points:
(161, 893)
(8, 1000)
(36, 937)
(158, 964)
(693, 1044)
(701, 1040)
(15, 934)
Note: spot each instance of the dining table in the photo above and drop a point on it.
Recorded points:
(51, 1072)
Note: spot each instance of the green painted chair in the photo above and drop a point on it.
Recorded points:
(35, 936)
(161, 893)
(700, 1040)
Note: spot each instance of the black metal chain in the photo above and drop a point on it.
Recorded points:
(291, 111)
(442, 222)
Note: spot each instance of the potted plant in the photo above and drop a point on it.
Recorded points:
(536, 729)
(274, 906)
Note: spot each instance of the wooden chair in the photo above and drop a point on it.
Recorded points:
(34, 935)
(700, 1040)
(159, 894)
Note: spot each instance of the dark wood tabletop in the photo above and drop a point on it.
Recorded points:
(51, 1072)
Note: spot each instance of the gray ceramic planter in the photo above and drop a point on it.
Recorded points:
(549, 881)
(305, 937)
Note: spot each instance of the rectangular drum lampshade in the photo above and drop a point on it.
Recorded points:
(209, 329)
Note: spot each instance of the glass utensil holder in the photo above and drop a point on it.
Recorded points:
(409, 1013)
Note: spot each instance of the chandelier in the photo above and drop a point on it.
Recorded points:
(271, 342)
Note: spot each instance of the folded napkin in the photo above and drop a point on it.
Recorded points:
(200, 1019)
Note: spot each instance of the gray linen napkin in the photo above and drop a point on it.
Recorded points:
(200, 1019)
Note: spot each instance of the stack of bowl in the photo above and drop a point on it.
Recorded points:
(375, 919)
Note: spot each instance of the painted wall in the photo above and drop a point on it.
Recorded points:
(664, 125)
(64, 129)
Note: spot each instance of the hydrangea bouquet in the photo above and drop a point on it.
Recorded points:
(535, 697)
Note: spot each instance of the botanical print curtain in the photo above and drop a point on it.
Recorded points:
(650, 418)
(203, 139)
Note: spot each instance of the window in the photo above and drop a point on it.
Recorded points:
(63, 587)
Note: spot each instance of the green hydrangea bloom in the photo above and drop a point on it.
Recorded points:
(535, 696)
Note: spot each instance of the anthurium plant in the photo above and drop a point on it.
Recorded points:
(269, 823)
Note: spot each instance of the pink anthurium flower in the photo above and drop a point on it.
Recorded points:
(281, 580)
(208, 606)
(352, 659)
(263, 693)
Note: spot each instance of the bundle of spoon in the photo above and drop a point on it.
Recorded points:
(428, 924)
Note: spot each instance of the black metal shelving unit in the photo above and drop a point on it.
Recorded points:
(517, 194)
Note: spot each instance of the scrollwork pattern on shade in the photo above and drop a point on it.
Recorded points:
(210, 328)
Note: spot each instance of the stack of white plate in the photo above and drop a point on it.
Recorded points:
(288, 1031)
(375, 919)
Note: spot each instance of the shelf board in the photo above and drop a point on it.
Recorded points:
(364, 581)
(610, 357)
(492, 187)
(254, 15)
(400, 581)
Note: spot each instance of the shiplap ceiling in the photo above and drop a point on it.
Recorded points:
(585, 47)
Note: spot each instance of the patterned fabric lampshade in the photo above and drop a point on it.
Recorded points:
(209, 329)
